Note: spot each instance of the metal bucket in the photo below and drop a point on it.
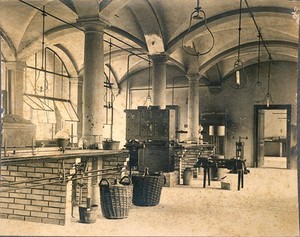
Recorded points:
(88, 214)
(110, 145)
(188, 176)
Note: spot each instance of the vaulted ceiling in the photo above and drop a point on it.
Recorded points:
(154, 26)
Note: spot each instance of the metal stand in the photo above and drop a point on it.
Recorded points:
(234, 164)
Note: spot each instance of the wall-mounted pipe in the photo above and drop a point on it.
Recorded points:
(60, 179)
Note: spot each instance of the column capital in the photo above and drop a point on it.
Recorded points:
(296, 14)
(80, 81)
(93, 24)
(159, 58)
(193, 76)
(15, 65)
(74, 80)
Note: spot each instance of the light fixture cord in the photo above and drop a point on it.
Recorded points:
(258, 58)
(269, 74)
(258, 88)
(239, 31)
(43, 38)
(148, 98)
(149, 79)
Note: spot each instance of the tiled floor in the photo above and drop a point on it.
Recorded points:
(267, 206)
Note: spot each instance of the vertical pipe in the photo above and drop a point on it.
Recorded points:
(298, 121)
(1, 108)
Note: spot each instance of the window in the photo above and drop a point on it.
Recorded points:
(47, 94)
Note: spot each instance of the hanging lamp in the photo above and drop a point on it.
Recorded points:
(258, 92)
(148, 100)
(268, 97)
(241, 78)
(195, 15)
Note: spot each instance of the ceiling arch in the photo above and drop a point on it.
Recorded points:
(132, 20)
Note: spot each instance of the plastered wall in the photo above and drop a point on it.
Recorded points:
(239, 104)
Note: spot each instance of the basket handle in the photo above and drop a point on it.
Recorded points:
(125, 177)
(146, 171)
(104, 180)
(165, 178)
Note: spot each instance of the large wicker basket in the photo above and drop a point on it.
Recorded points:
(147, 188)
(116, 199)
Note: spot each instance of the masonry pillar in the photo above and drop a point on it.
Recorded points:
(15, 79)
(80, 107)
(297, 16)
(193, 107)
(93, 81)
(74, 87)
(93, 92)
(159, 80)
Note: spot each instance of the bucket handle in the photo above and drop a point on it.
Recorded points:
(105, 180)
(125, 177)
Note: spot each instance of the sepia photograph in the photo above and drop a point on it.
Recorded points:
(149, 118)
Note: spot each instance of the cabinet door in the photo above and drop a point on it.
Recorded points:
(132, 124)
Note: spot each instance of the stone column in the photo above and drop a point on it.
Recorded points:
(193, 107)
(93, 92)
(74, 82)
(297, 17)
(159, 80)
(16, 77)
(80, 107)
(93, 81)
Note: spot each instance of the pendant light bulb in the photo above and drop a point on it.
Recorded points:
(237, 78)
(268, 102)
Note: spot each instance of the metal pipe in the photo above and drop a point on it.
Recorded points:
(94, 171)
(127, 83)
(52, 15)
(95, 175)
(55, 182)
(257, 28)
(138, 55)
(57, 18)
(123, 42)
(127, 73)
(28, 181)
(1, 109)
(29, 186)
(54, 73)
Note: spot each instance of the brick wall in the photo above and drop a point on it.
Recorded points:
(112, 162)
(186, 157)
(45, 204)
(48, 203)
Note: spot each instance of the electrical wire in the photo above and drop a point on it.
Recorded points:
(268, 97)
(258, 90)
(257, 28)
(148, 97)
(239, 65)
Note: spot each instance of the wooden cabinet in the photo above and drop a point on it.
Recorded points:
(156, 128)
(150, 123)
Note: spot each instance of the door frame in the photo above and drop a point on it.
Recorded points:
(288, 109)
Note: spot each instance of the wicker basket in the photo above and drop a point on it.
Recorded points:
(116, 199)
(147, 188)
